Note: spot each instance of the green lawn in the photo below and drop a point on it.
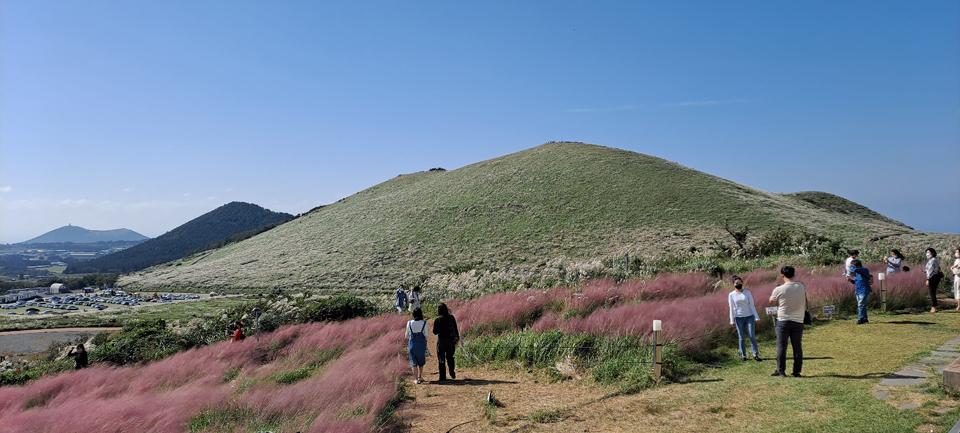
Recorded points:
(843, 364)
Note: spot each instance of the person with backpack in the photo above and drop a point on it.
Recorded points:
(401, 302)
(416, 334)
(445, 327)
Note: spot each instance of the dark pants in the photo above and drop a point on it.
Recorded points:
(934, 284)
(794, 332)
(445, 349)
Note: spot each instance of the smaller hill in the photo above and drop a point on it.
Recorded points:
(833, 203)
(228, 223)
(80, 235)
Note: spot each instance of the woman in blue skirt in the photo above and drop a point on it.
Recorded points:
(417, 335)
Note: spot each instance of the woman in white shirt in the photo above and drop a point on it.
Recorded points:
(894, 262)
(743, 315)
(415, 299)
(416, 333)
(955, 269)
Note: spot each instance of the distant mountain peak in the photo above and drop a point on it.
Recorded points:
(79, 235)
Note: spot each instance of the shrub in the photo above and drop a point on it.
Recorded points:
(140, 341)
(343, 306)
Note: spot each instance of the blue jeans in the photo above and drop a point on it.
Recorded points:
(862, 306)
(746, 328)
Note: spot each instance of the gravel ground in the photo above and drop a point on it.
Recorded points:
(36, 341)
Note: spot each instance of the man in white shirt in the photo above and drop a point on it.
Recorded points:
(853, 255)
(791, 301)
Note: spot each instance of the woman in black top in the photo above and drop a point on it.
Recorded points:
(79, 355)
(445, 327)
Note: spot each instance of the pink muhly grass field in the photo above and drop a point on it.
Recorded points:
(166, 395)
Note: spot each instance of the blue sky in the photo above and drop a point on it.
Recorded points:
(144, 115)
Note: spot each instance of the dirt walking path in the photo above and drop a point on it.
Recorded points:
(456, 405)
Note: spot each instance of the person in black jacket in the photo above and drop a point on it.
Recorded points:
(445, 327)
(79, 355)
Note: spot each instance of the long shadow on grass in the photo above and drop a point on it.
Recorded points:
(847, 376)
(472, 382)
(682, 382)
(911, 322)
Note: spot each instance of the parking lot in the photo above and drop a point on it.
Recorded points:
(78, 303)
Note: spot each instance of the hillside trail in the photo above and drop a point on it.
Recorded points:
(457, 405)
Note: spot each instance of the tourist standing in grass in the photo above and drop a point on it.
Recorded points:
(791, 301)
(894, 262)
(416, 333)
(415, 299)
(743, 315)
(861, 280)
(79, 355)
(445, 327)
(934, 275)
(401, 302)
(955, 269)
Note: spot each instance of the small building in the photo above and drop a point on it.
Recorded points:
(59, 288)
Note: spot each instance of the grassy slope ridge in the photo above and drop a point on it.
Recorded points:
(557, 200)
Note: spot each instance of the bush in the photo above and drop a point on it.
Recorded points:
(141, 341)
(343, 306)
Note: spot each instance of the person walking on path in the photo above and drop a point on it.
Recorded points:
(934, 275)
(415, 299)
(445, 327)
(955, 270)
(79, 355)
(861, 280)
(416, 334)
(743, 315)
(894, 262)
(791, 301)
(401, 302)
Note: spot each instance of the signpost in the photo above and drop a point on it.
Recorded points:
(772, 312)
(657, 345)
(883, 292)
(828, 311)
(256, 316)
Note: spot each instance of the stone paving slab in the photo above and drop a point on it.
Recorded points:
(902, 381)
(933, 361)
(910, 373)
(906, 406)
(951, 355)
(949, 348)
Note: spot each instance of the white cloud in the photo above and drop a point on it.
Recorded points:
(128, 189)
(6, 189)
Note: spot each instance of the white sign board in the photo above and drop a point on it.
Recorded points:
(828, 310)
(772, 311)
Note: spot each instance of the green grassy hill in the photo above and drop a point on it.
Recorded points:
(555, 208)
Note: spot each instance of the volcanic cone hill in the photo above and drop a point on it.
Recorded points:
(218, 225)
(539, 208)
